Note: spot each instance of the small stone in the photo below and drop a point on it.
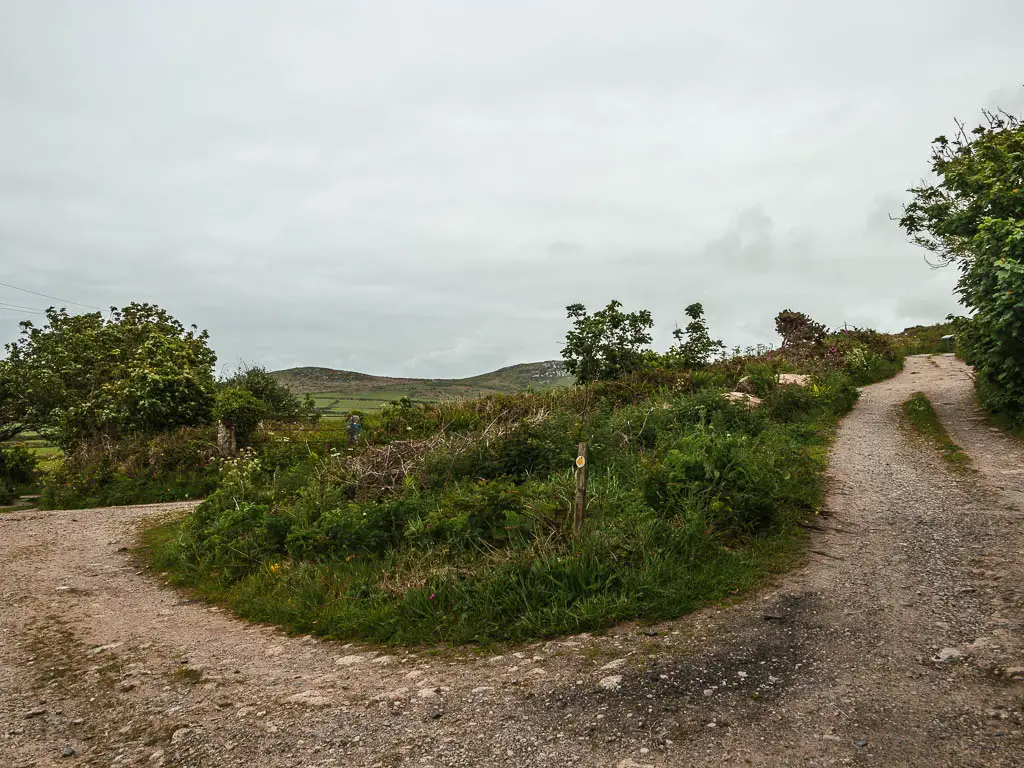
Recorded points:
(860, 743)
(794, 379)
(748, 401)
(610, 683)
(947, 655)
(395, 695)
(1014, 672)
(483, 689)
(67, 752)
(353, 658)
(180, 735)
(103, 648)
(427, 693)
(709, 691)
(34, 713)
(436, 714)
(310, 698)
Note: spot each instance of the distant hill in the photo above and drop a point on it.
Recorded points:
(338, 392)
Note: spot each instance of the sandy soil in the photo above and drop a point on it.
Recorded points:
(898, 642)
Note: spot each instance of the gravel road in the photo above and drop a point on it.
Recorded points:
(898, 642)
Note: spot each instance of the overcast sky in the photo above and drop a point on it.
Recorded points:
(419, 188)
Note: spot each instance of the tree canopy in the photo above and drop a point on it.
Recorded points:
(607, 344)
(80, 377)
(973, 217)
(694, 347)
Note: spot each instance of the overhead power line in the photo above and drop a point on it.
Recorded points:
(8, 305)
(48, 296)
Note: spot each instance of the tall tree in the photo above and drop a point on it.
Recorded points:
(80, 377)
(607, 344)
(973, 217)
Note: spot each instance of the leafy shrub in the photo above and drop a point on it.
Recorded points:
(694, 347)
(973, 216)
(240, 409)
(799, 330)
(166, 467)
(764, 377)
(606, 345)
(734, 482)
(18, 471)
(277, 402)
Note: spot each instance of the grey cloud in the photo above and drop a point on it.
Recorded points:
(420, 189)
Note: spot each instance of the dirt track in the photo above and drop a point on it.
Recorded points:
(898, 642)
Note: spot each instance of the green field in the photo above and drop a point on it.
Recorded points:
(338, 393)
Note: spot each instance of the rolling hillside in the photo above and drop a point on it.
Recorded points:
(337, 392)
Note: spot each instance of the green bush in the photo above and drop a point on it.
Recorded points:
(18, 472)
(973, 217)
(737, 483)
(166, 467)
(240, 409)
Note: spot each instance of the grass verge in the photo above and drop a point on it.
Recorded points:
(920, 415)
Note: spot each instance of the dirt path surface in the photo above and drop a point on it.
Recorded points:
(897, 643)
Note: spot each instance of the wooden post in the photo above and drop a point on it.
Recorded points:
(581, 490)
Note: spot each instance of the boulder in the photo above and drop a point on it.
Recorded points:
(794, 379)
(742, 398)
(745, 385)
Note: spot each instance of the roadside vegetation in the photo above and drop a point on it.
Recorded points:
(920, 415)
(97, 411)
(972, 216)
(451, 522)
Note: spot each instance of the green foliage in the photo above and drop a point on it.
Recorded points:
(11, 424)
(799, 330)
(278, 403)
(454, 522)
(240, 409)
(174, 465)
(18, 471)
(924, 339)
(733, 482)
(867, 355)
(973, 217)
(606, 345)
(83, 377)
(694, 347)
(920, 415)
